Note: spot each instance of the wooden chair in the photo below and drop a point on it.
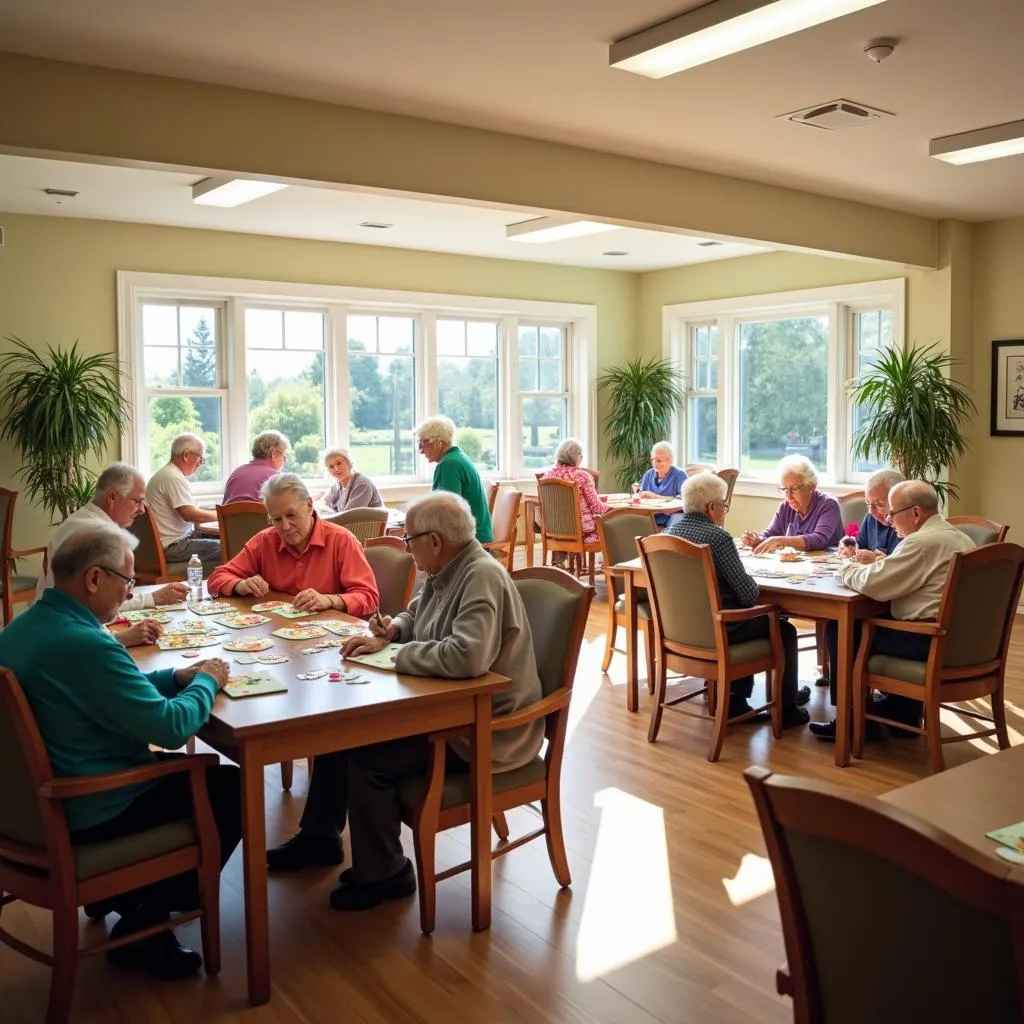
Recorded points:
(967, 656)
(14, 587)
(556, 607)
(150, 564)
(852, 507)
(885, 917)
(504, 524)
(239, 522)
(690, 637)
(394, 569)
(561, 524)
(696, 467)
(40, 865)
(979, 529)
(730, 476)
(618, 531)
(363, 522)
(490, 493)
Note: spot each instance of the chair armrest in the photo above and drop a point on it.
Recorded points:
(543, 708)
(83, 785)
(28, 551)
(909, 626)
(742, 614)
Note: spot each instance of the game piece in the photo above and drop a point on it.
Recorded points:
(190, 654)
(335, 677)
(271, 659)
(181, 642)
(210, 608)
(241, 620)
(248, 644)
(308, 632)
(268, 606)
(315, 674)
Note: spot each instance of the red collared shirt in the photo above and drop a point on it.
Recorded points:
(333, 563)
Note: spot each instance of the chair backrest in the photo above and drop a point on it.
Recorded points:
(696, 467)
(505, 515)
(683, 591)
(560, 509)
(617, 531)
(490, 493)
(395, 573)
(730, 476)
(885, 917)
(980, 529)
(386, 542)
(363, 522)
(852, 507)
(239, 522)
(7, 502)
(979, 603)
(149, 555)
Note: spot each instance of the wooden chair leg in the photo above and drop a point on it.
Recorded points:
(609, 633)
(773, 680)
(209, 923)
(424, 838)
(287, 774)
(999, 719)
(551, 809)
(860, 696)
(590, 563)
(658, 705)
(821, 642)
(721, 720)
(648, 631)
(500, 823)
(933, 736)
(65, 964)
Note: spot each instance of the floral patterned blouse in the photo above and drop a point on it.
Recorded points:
(590, 504)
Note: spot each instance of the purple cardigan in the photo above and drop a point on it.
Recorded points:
(821, 527)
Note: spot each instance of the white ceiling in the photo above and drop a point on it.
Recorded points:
(161, 197)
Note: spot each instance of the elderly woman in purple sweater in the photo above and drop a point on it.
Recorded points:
(807, 519)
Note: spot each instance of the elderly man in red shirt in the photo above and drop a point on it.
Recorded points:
(323, 565)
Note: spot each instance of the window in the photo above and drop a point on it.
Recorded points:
(355, 367)
(768, 374)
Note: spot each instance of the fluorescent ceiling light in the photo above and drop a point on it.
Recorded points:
(984, 144)
(232, 191)
(721, 28)
(554, 229)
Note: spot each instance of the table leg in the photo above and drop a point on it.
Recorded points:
(844, 684)
(481, 782)
(254, 861)
(632, 683)
(528, 532)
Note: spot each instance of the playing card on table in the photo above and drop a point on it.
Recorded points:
(181, 641)
(252, 684)
(210, 608)
(310, 632)
(315, 674)
(271, 659)
(193, 629)
(289, 611)
(248, 643)
(340, 628)
(269, 606)
(241, 620)
(138, 616)
(177, 607)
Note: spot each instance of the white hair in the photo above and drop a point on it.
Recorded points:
(442, 512)
(102, 544)
(701, 489)
(917, 492)
(264, 445)
(888, 478)
(569, 452)
(119, 477)
(338, 453)
(187, 443)
(665, 448)
(281, 483)
(436, 428)
(798, 465)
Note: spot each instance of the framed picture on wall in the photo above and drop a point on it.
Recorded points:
(1007, 388)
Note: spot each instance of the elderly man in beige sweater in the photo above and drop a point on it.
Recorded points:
(912, 578)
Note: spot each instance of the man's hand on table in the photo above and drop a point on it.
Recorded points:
(772, 544)
(217, 668)
(171, 594)
(868, 557)
(750, 539)
(367, 644)
(147, 631)
(311, 600)
(253, 586)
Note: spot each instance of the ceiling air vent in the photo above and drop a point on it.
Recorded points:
(836, 115)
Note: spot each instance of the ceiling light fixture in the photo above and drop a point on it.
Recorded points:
(983, 144)
(232, 191)
(378, 225)
(554, 229)
(615, 252)
(721, 28)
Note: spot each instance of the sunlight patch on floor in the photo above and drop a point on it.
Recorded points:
(966, 726)
(753, 878)
(589, 681)
(628, 912)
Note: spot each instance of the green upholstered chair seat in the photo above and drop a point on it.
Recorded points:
(92, 859)
(750, 650)
(643, 608)
(412, 788)
(897, 668)
(20, 583)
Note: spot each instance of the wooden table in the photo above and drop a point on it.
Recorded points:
(823, 599)
(318, 716)
(971, 799)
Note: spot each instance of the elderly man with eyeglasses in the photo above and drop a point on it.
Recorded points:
(169, 497)
(912, 578)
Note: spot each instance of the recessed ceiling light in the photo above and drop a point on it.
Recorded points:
(378, 225)
(983, 144)
(554, 229)
(63, 193)
(615, 252)
(721, 28)
(707, 245)
(230, 192)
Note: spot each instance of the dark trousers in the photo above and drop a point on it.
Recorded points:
(327, 798)
(168, 800)
(758, 629)
(885, 641)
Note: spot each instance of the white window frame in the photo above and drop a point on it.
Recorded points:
(339, 301)
(840, 303)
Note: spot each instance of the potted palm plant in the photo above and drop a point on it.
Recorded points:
(643, 395)
(912, 415)
(58, 408)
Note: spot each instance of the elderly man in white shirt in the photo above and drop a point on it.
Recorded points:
(912, 578)
(119, 497)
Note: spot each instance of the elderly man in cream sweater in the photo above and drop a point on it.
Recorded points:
(912, 578)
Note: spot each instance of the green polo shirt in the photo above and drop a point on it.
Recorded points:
(454, 472)
(96, 710)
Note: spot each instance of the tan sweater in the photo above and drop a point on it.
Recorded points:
(469, 619)
(913, 577)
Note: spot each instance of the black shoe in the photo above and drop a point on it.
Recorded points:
(827, 731)
(305, 850)
(359, 896)
(803, 695)
(99, 910)
(741, 707)
(821, 681)
(792, 716)
(160, 955)
(347, 877)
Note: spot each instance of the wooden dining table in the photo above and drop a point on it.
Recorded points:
(803, 594)
(318, 716)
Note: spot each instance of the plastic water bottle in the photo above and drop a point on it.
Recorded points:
(195, 580)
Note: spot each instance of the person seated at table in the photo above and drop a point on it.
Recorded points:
(912, 578)
(352, 489)
(322, 564)
(454, 471)
(176, 514)
(701, 522)
(807, 519)
(875, 537)
(469, 619)
(98, 712)
(269, 454)
(662, 480)
(567, 467)
(119, 497)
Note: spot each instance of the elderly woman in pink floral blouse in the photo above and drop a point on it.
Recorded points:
(567, 467)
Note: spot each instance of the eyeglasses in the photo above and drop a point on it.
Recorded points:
(407, 540)
(130, 580)
(139, 502)
(896, 511)
(201, 459)
(872, 505)
(791, 490)
(724, 505)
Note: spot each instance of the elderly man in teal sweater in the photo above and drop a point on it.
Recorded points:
(97, 712)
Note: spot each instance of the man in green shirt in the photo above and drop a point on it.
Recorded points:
(453, 470)
(98, 712)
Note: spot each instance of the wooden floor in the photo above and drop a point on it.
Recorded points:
(671, 916)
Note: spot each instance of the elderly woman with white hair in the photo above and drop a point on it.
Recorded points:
(269, 454)
(807, 519)
(351, 489)
(663, 480)
(567, 467)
